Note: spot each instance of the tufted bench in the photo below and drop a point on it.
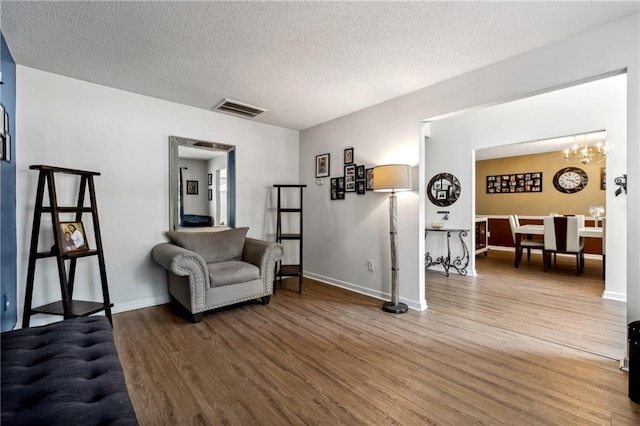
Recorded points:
(62, 374)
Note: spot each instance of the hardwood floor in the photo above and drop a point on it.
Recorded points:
(496, 349)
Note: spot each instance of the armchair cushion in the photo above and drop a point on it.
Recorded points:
(231, 272)
(212, 246)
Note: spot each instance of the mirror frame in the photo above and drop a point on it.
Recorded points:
(174, 143)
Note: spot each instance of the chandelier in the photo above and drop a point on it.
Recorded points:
(582, 152)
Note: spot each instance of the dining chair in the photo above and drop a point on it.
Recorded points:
(527, 243)
(561, 236)
(604, 244)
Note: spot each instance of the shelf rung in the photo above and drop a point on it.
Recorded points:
(290, 236)
(78, 308)
(48, 209)
(291, 210)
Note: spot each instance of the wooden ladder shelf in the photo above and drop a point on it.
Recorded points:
(290, 270)
(67, 306)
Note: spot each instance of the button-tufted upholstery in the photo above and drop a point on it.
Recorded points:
(66, 373)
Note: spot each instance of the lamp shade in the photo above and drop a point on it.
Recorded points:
(392, 177)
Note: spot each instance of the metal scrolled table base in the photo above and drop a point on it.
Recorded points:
(460, 263)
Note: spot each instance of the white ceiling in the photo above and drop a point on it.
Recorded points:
(305, 62)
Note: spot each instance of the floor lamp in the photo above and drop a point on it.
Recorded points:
(392, 178)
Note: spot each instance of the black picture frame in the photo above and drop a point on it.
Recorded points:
(192, 187)
(360, 172)
(348, 156)
(444, 189)
(350, 178)
(334, 182)
(369, 178)
(361, 187)
(323, 165)
(210, 179)
(210, 194)
(603, 178)
(341, 184)
(514, 183)
(333, 193)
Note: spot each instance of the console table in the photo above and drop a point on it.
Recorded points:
(460, 263)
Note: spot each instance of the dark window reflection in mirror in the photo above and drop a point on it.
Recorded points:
(201, 184)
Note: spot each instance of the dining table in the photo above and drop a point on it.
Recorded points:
(532, 229)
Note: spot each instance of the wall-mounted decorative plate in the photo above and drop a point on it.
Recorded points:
(443, 189)
(570, 180)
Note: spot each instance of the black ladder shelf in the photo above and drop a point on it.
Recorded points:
(67, 307)
(290, 270)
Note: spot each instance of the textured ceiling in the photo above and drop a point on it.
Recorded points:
(306, 62)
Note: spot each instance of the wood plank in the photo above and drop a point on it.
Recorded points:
(509, 346)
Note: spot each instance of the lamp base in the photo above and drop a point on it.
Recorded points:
(399, 308)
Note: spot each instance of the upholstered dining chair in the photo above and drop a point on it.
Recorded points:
(527, 243)
(561, 236)
(604, 244)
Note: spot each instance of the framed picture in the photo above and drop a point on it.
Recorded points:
(4, 118)
(5, 148)
(334, 182)
(322, 165)
(210, 180)
(334, 193)
(340, 195)
(350, 178)
(517, 182)
(360, 172)
(210, 194)
(73, 237)
(341, 184)
(348, 156)
(603, 178)
(192, 187)
(361, 186)
(369, 177)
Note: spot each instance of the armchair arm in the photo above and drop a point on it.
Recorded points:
(183, 262)
(263, 254)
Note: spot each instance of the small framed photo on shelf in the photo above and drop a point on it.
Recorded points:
(348, 156)
(369, 178)
(192, 187)
(322, 165)
(73, 237)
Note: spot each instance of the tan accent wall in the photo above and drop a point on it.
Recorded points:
(532, 203)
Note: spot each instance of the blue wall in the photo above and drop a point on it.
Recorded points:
(8, 284)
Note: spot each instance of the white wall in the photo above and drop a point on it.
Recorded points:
(340, 235)
(195, 170)
(124, 136)
(588, 107)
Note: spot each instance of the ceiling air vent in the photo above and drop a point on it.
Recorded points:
(238, 108)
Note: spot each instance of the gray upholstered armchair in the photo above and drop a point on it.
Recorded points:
(211, 269)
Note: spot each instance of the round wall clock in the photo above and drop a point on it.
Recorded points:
(443, 189)
(570, 180)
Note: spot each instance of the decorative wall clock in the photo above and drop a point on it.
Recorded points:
(570, 180)
(443, 189)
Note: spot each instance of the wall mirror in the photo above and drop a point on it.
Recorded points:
(201, 184)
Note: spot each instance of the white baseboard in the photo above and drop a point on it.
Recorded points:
(140, 303)
(611, 295)
(412, 304)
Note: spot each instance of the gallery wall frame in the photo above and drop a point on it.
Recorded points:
(322, 165)
(514, 183)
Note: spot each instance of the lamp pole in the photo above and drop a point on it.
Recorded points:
(394, 306)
